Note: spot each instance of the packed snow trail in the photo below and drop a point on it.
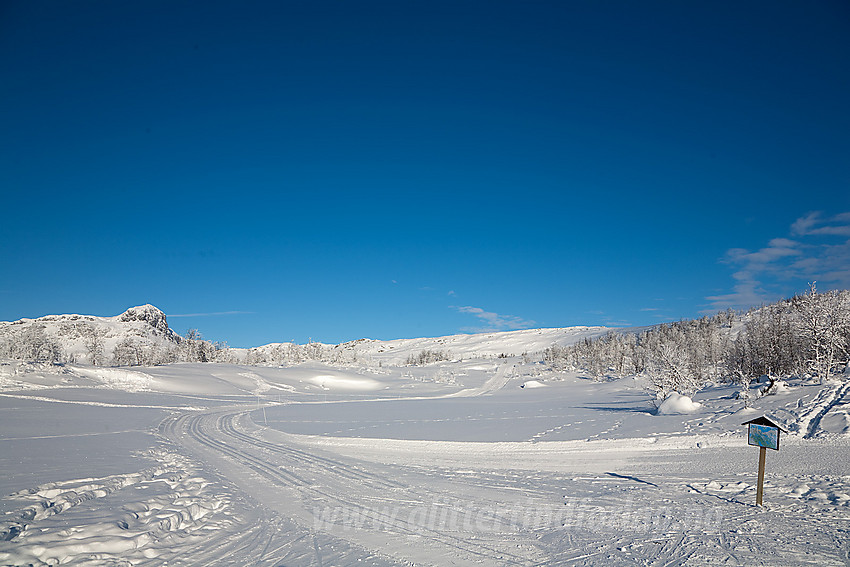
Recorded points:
(431, 515)
(499, 380)
(319, 491)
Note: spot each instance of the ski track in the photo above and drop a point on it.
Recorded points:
(668, 539)
(227, 489)
(829, 400)
(359, 490)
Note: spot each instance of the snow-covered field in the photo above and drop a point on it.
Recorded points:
(485, 461)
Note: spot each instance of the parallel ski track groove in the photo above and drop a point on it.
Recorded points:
(252, 462)
(191, 425)
(837, 397)
(346, 471)
(224, 424)
(210, 551)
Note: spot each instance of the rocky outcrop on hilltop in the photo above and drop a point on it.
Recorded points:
(150, 315)
(140, 335)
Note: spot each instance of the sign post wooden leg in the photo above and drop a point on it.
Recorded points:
(760, 489)
(763, 433)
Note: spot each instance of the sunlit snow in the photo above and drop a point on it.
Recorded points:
(487, 459)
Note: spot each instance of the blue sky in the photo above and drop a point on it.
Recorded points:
(275, 171)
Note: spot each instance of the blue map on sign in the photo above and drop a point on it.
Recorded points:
(763, 436)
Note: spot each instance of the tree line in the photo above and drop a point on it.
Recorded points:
(805, 336)
(34, 344)
(86, 343)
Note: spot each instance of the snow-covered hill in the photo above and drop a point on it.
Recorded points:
(480, 345)
(142, 336)
(421, 350)
(86, 338)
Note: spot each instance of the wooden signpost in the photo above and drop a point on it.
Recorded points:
(762, 433)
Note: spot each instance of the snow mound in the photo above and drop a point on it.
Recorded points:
(118, 378)
(837, 422)
(676, 403)
(745, 412)
(533, 384)
(778, 387)
(328, 382)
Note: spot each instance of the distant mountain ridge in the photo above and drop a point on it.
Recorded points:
(451, 347)
(141, 336)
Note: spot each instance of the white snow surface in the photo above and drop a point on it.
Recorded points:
(676, 403)
(448, 464)
(462, 347)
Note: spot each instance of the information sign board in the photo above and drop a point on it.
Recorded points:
(762, 433)
(763, 436)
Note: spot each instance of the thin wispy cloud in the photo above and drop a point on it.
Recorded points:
(211, 314)
(493, 321)
(818, 250)
(606, 319)
(617, 323)
(813, 224)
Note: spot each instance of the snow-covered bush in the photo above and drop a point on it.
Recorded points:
(427, 356)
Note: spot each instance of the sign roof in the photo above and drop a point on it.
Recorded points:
(764, 420)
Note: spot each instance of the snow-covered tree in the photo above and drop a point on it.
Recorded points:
(823, 325)
(669, 371)
(94, 346)
(127, 352)
(33, 344)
